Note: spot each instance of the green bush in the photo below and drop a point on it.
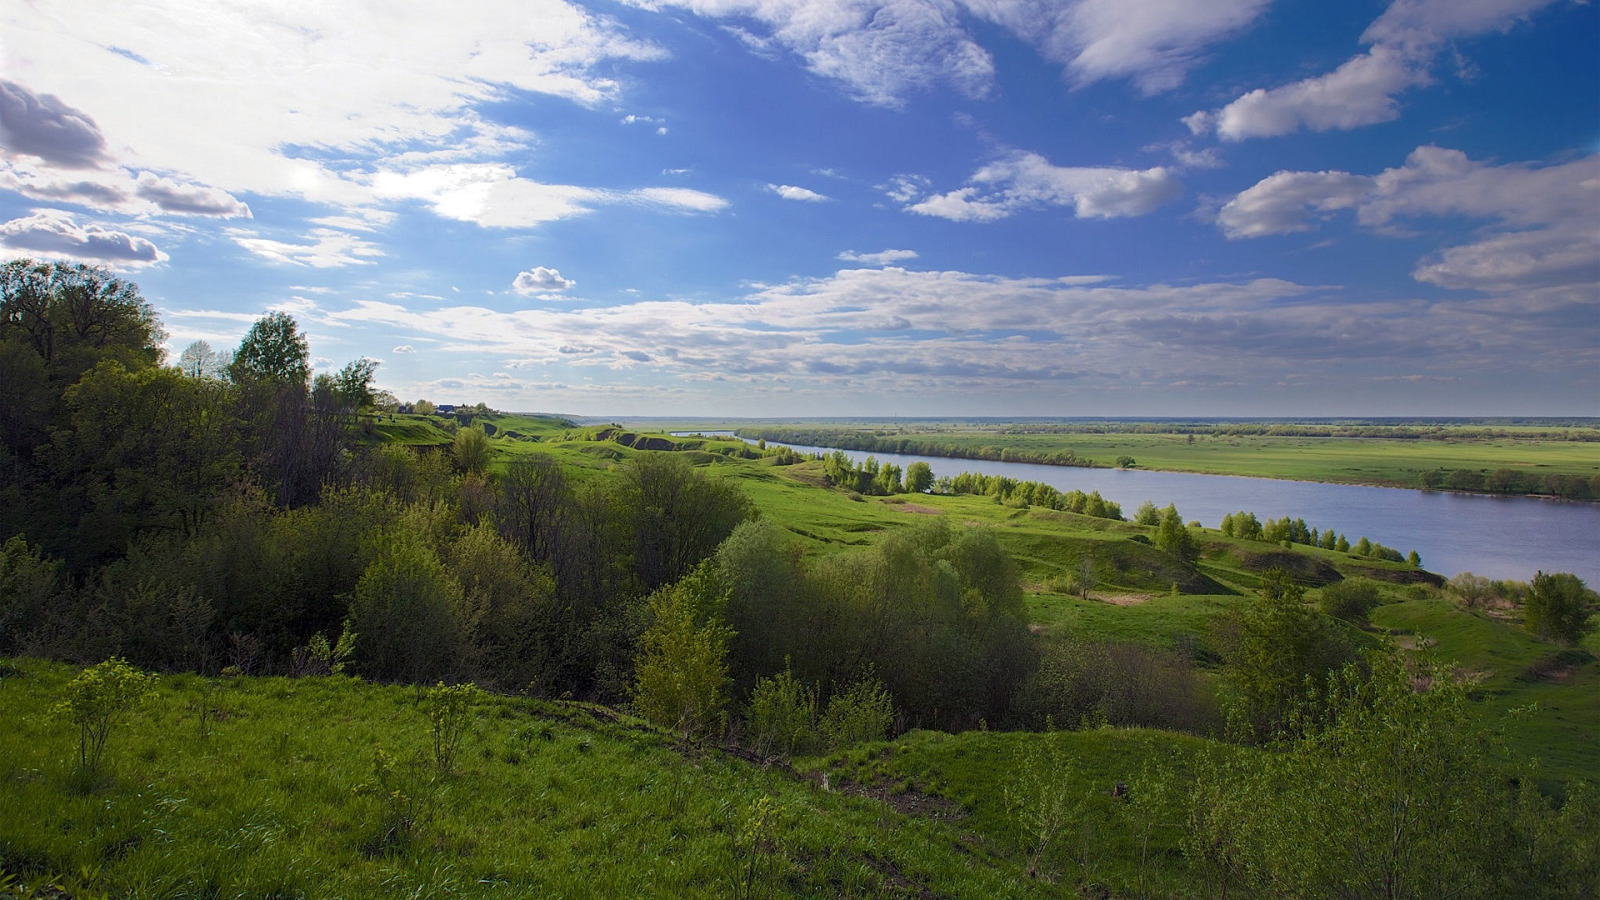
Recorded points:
(1351, 599)
(860, 714)
(449, 709)
(95, 700)
(782, 716)
(1558, 607)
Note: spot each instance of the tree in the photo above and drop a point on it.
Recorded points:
(681, 676)
(198, 360)
(353, 384)
(1173, 537)
(1147, 514)
(919, 477)
(471, 450)
(274, 350)
(423, 407)
(1558, 607)
(72, 316)
(1280, 642)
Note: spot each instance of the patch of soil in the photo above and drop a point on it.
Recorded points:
(907, 802)
(917, 508)
(1122, 599)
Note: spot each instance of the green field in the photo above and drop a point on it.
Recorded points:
(1402, 458)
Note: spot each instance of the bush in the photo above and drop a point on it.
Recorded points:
(95, 700)
(862, 713)
(782, 716)
(449, 709)
(1351, 599)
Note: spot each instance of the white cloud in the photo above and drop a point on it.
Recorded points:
(885, 50)
(52, 232)
(328, 248)
(674, 199)
(1278, 204)
(881, 258)
(1360, 92)
(790, 192)
(1363, 91)
(1027, 180)
(1154, 42)
(240, 91)
(404, 349)
(540, 280)
(1541, 230)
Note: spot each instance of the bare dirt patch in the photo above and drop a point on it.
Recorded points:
(1122, 599)
(917, 508)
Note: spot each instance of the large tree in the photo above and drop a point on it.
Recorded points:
(274, 350)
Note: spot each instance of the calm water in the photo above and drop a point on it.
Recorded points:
(1498, 537)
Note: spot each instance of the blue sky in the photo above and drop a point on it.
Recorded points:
(902, 207)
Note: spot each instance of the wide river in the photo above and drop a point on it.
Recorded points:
(1497, 537)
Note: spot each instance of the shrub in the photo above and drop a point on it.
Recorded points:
(1351, 599)
(95, 700)
(782, 716)
(860, 714)
(449, 709)
(682, 669)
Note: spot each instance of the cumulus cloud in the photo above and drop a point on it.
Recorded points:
(1541, 219)
(403, 349)
(327, 249)
(1028, 181)
(55, 233)
(1364, 90)
(189, 199)
(790, 192)
(540, 280)
(42, 126)
(881, 258)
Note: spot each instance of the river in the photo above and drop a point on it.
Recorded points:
(1496, 537)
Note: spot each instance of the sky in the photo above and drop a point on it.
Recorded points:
(774, 208)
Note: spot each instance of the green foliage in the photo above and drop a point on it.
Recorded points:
(1277, 645)
(1390, 792)
(919, 477)
(1044, 799)
(1148, 515)
(681, 673)
(471, 450)
(407, 613)
(758, 860)
(1559, 607)
(28, 581)
(95, 701)
(273, 351)
(781, 718)
(1351, 599)
(861, 713)
(407, 795)
(353, 383)
(1173, 536)
(450, 712)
